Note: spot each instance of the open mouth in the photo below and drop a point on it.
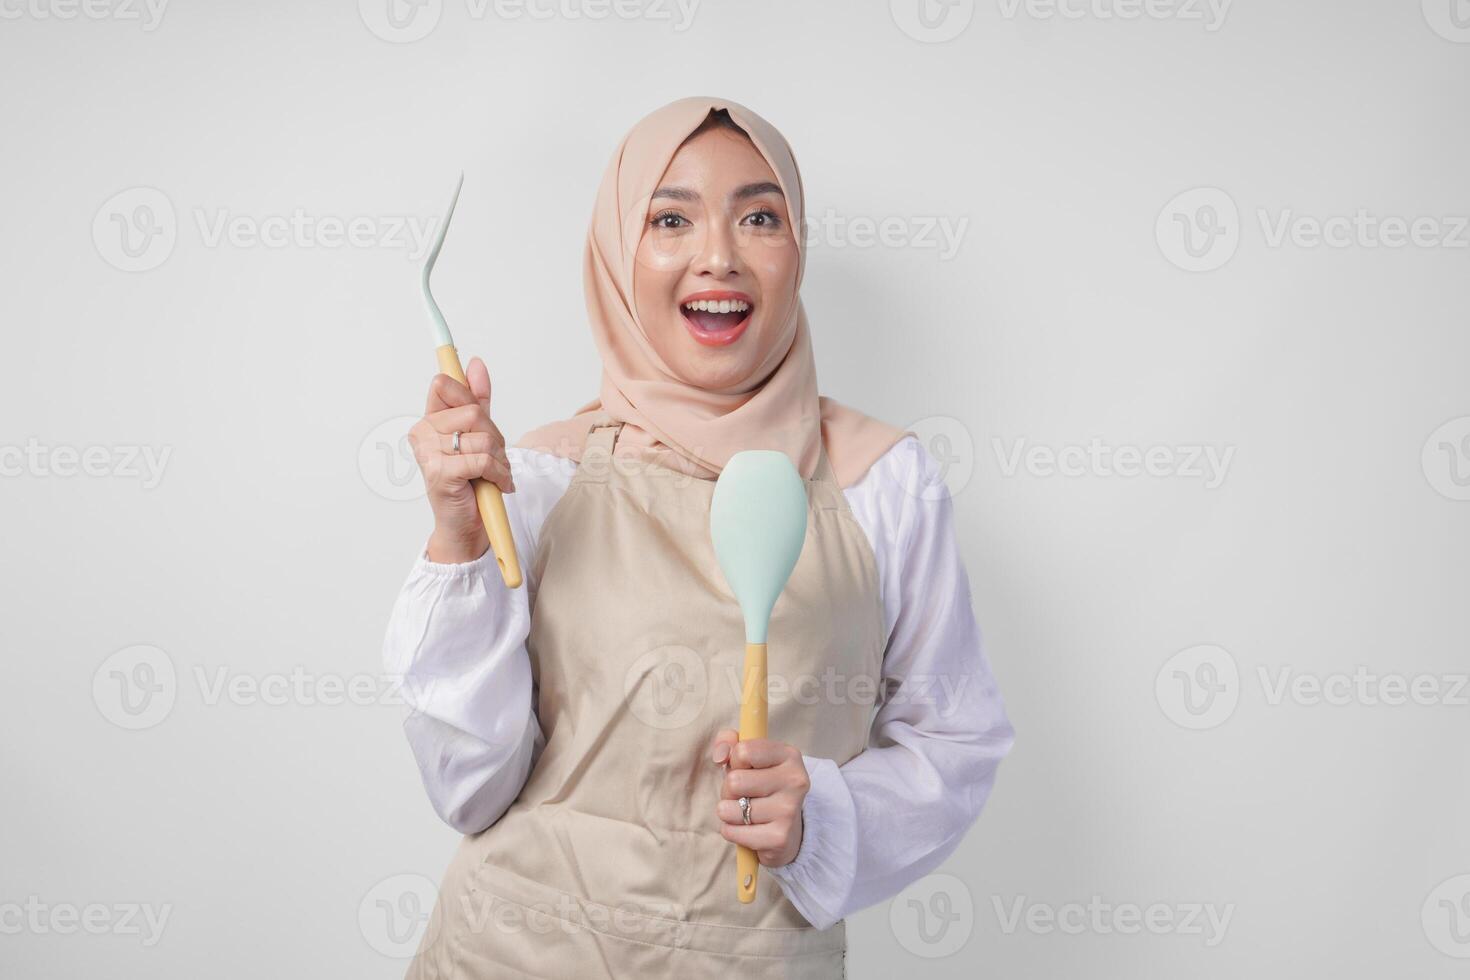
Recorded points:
(717, 318)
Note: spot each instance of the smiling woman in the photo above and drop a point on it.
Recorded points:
(719, 259)
(580, 731)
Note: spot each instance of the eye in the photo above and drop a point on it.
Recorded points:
(763, 218)
(668, 219)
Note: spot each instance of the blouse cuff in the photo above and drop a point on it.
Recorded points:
(819, 880)
(461, 569)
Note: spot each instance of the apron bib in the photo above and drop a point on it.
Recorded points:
(610, 863)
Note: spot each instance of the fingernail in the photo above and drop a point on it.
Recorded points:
(722, 753)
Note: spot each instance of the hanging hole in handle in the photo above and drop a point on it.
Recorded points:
(747, 882)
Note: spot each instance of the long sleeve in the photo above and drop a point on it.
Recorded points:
(457, 639)
(898, 809)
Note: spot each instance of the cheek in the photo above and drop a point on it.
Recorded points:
(774, 267)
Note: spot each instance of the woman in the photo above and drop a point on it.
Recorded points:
(579, 730)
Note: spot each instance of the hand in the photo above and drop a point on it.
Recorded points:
(459, 534)
(773, 775)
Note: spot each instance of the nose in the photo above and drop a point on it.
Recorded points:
(718, 256)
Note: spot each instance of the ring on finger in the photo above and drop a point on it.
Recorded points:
(454, 445)
(745, 809)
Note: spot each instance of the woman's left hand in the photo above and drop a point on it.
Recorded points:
(774, 777)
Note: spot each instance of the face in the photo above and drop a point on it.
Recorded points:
(715, 273)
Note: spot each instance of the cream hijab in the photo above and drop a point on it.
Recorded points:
(667, 421)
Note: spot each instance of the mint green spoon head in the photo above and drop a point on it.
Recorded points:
(757, 520)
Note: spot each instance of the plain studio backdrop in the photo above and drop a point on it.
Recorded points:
(1177, 291)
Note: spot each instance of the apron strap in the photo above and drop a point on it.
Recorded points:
(597, 453)
(823, 471)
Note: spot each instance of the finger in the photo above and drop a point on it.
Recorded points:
(758, 837)
(464, 418)
(760, 753)
(458, 468)
(445, 392)
(480, 444)
(763, 809)
(722, 744)
(753, 783)
(479, 378)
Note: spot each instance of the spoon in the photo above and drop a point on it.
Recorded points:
(487, 494)
(757, 521)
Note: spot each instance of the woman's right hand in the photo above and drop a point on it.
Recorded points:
(459, 533)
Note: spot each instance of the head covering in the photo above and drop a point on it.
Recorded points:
(668, 421)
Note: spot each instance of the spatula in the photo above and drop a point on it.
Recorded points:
(757, 520)
(487, 494)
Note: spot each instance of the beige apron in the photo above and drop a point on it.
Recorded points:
(610, 863)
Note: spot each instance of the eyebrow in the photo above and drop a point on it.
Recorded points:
(739, 194)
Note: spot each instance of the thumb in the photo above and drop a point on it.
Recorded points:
(479, 378)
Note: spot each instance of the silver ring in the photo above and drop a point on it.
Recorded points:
(745, 808)
(454, 446)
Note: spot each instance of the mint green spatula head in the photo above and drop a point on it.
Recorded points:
(757, 520)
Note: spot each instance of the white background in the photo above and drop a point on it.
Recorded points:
(1332, 834)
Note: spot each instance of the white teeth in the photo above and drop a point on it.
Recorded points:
(718, 305)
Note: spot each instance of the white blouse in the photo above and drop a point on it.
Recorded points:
(871, 827)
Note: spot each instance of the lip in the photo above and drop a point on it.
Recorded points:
(717, 338)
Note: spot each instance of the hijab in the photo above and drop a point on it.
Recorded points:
(666, 420)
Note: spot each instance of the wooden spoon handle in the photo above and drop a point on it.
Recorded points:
(752, 725)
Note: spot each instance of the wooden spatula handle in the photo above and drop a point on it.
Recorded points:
(752, 725)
